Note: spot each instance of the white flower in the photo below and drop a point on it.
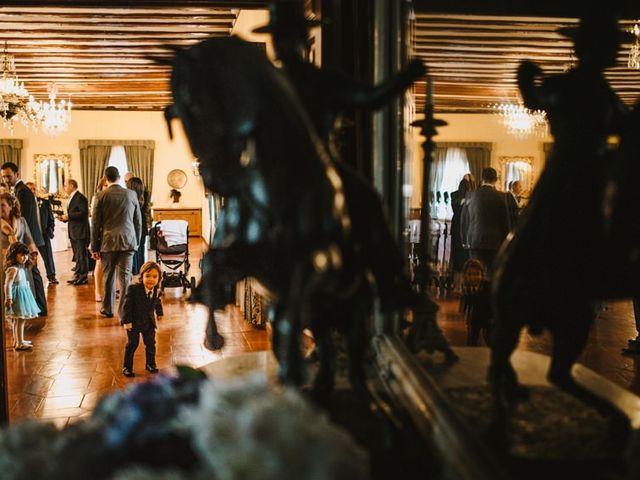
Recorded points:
(247, 429)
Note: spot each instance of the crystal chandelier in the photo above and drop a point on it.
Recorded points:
(520, 121)
(54, 117)
(634, 52)
(16, 103)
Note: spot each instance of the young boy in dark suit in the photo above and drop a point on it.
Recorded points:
(141, 305)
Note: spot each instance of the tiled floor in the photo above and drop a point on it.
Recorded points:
(77, 354)
(603, 354)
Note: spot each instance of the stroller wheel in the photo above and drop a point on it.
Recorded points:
(193, 283)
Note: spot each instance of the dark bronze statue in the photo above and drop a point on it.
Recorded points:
(326, 94)
(286, 219)
(550, 270)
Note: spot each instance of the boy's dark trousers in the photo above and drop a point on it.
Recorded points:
(133, 339)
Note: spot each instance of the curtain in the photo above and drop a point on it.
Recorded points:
(93, 161)
(140, 161)
(478, 155)
(449, 168)
(11, 151)
(90, 181)
(450, 165)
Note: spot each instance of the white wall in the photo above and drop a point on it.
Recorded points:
(478, 128)
(123, 125)
(119, 126)
(248, 20)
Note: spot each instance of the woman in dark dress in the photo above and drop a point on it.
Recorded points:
(458, 254)
(135, 184)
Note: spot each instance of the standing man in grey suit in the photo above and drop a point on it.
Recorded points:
(30, 212)
(485, 220)
(115, 234)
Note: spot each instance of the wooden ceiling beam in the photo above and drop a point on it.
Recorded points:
(23, 5)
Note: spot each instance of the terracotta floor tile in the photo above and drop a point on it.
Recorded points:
(62, 402)
(77, 355)
(39, 385)
(48, 414)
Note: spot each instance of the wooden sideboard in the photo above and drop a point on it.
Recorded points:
(191, 215)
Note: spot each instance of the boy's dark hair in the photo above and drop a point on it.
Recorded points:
(489, 175)
(11, 259)
(73, 182)
(146, 266)
(112, 174)
(11, 165)
(474, 263)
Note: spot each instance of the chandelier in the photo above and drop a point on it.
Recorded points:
(54, 117)
(634, 52)
(16, 103)
(520, 121)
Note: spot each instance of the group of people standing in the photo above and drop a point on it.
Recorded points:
(115, 242)
(482, 218)
(117, 245)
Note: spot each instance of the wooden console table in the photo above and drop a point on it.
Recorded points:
(191, 215)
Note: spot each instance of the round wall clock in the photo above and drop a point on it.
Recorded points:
(177, 178)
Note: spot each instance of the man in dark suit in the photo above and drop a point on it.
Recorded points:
(47, 225)
(513, 201)
(29, 209)
(485, 220)
(77, 218)
(117, 227)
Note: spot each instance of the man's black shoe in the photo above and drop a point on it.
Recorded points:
(105, 314)
(81, 281)
(72, 281)
(53, 280)
(152, 368)
(127, 372)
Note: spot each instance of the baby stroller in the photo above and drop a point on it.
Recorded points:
(170, 240)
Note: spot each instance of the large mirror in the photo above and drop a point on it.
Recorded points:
(51, 172)
(517, 168)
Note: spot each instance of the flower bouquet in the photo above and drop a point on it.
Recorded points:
(188, 427)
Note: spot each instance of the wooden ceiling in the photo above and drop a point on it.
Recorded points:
(99, 55)
(473, 58)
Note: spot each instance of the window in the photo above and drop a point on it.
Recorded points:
(448, 170)
(118, 159)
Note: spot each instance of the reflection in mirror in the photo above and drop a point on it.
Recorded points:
(51, 172)
(517, 168)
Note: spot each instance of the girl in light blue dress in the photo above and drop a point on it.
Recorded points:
(20, 304)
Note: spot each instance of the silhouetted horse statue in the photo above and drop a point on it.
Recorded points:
(550, 270)
(286, 218)
(326, 93)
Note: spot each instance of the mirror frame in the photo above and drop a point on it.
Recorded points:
(39, 158)
(527, 183)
